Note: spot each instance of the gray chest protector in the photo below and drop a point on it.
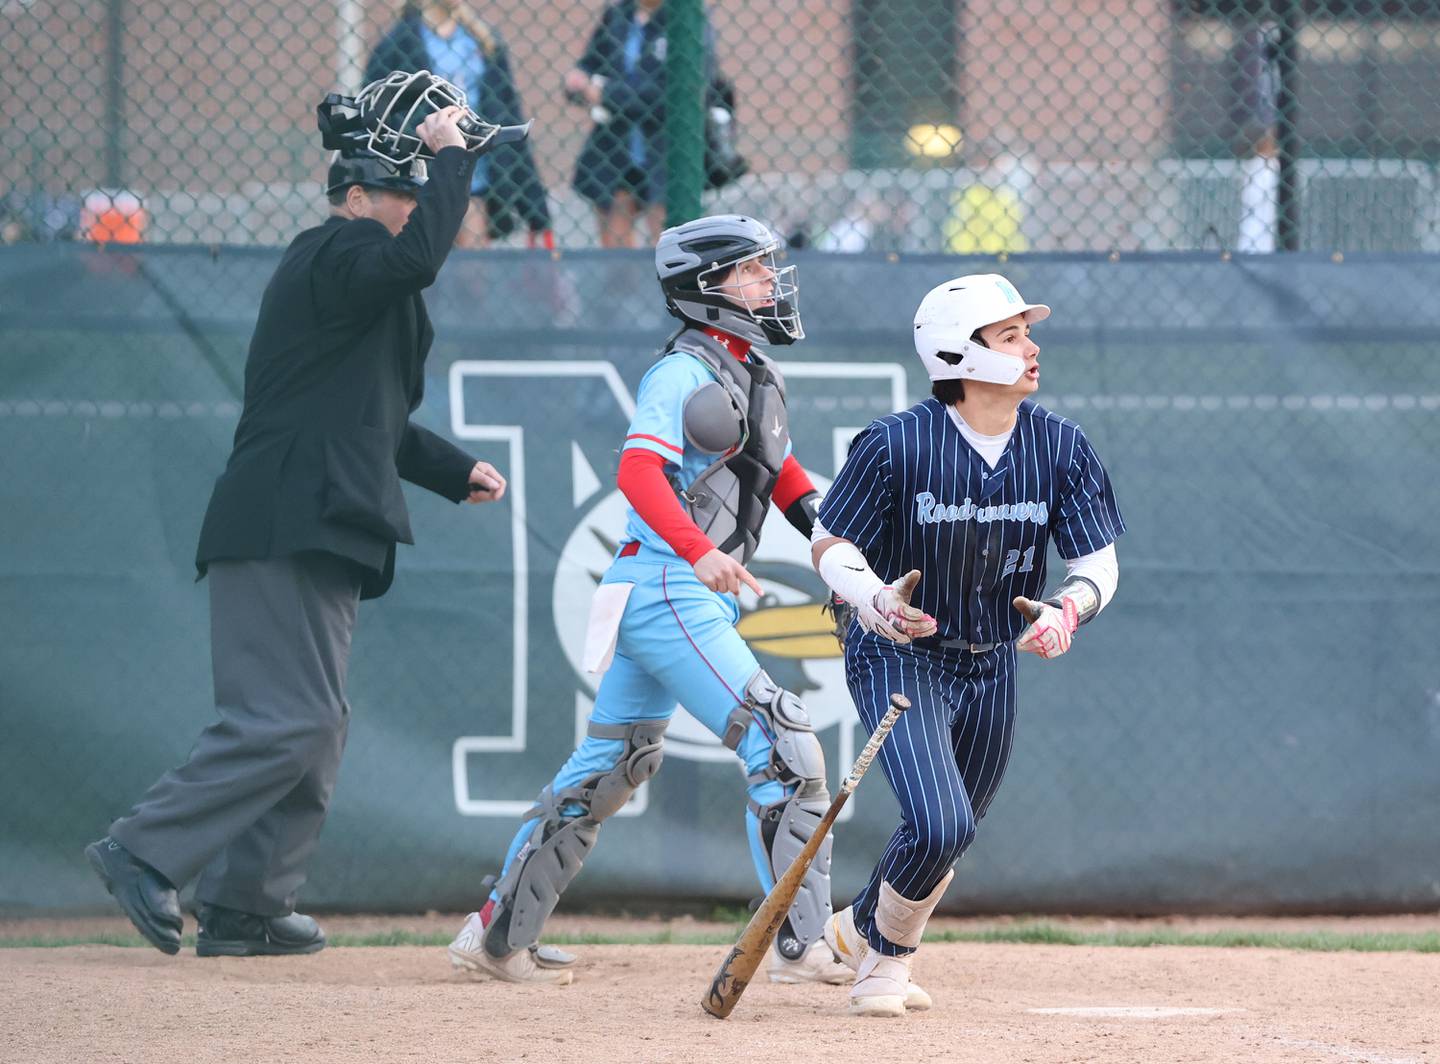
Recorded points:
(745, 408)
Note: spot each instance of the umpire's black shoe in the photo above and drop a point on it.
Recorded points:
(148, 898)
(232, 933)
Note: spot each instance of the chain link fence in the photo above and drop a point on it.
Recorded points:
(895, 125)
(1252, 725)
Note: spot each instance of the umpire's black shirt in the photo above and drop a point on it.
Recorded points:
(336, 366)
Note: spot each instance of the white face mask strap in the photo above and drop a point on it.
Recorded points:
(980, 363)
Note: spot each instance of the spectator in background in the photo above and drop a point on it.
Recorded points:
(38, 217)
(868, 224)
(986, 215)
(445, 38)
(1255, 114)
(621, 78)
(854, 230)
(12, 227)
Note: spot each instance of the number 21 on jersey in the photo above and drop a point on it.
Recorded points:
(1013, 556)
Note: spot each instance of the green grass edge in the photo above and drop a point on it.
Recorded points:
(1029, 933)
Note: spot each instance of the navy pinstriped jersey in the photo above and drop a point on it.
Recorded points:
(913, 494)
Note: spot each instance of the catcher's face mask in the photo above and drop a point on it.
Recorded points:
(384, 117)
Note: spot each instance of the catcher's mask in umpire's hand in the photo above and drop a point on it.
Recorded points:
(384, 116)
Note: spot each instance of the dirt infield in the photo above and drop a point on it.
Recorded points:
(995, 1003)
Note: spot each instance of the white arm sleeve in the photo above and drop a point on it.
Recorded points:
(818, 532)
(844, 568)
(1101, 568)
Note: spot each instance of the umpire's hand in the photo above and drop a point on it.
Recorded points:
(441, 129)
(486, 483)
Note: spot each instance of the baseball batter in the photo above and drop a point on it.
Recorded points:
(968, 488)
(707, 453)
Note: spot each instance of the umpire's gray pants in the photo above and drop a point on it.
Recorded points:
(248, 804)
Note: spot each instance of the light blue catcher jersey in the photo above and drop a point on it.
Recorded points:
(913, 494)
(659, 426)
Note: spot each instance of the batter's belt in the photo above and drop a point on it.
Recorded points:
(965, 644)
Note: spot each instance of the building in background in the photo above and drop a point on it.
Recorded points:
(1123, 114)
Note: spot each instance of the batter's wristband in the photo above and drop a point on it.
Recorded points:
(847, 573)
(1083, 592)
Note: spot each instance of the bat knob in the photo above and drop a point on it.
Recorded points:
(1029, 610)
(899, 701)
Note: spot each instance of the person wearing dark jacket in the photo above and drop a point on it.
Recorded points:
(302, 525)
(621, 78)
(442, 37)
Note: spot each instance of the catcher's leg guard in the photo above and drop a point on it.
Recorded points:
(797, 763)
(882, 983)
(565, 830)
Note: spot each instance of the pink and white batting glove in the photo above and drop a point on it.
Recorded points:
(890, 614)
(1051, 629)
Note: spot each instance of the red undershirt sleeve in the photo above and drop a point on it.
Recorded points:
(793, 483)
(642, 481)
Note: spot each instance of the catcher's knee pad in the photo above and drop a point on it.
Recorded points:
(562, 837)
(797, 762)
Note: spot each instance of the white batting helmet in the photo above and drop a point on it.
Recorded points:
(949, 315)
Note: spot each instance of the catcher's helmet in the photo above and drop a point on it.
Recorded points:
(351, 166)
(690, 260)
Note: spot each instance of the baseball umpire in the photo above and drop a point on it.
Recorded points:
(968, 488)
(302, 525)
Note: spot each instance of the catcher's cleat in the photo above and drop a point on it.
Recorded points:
(850, 947)
(816, 965)
(537, 964)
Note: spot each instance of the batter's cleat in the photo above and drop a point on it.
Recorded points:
(147, 897)
(232, 933)
(844, 940)
(538, 964)
(849, 945)
(880, 986)
(816, 965)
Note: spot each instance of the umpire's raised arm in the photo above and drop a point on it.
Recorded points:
(373, 264)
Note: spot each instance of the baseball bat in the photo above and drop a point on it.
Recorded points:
(736, 971)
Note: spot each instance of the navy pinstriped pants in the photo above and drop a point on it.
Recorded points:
(944, 759)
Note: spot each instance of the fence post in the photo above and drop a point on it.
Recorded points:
(684, 110)
(1288, 143)
(114, 93)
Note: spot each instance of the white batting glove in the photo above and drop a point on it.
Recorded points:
(1050, 630)
(890, 614)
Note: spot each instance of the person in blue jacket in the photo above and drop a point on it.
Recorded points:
(621, 78)
(443, 37)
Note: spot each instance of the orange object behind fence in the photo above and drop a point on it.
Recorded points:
(113, 216)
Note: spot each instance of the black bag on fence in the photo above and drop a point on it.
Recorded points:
(723, 162)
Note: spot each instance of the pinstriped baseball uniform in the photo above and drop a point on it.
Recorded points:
(913, 494)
